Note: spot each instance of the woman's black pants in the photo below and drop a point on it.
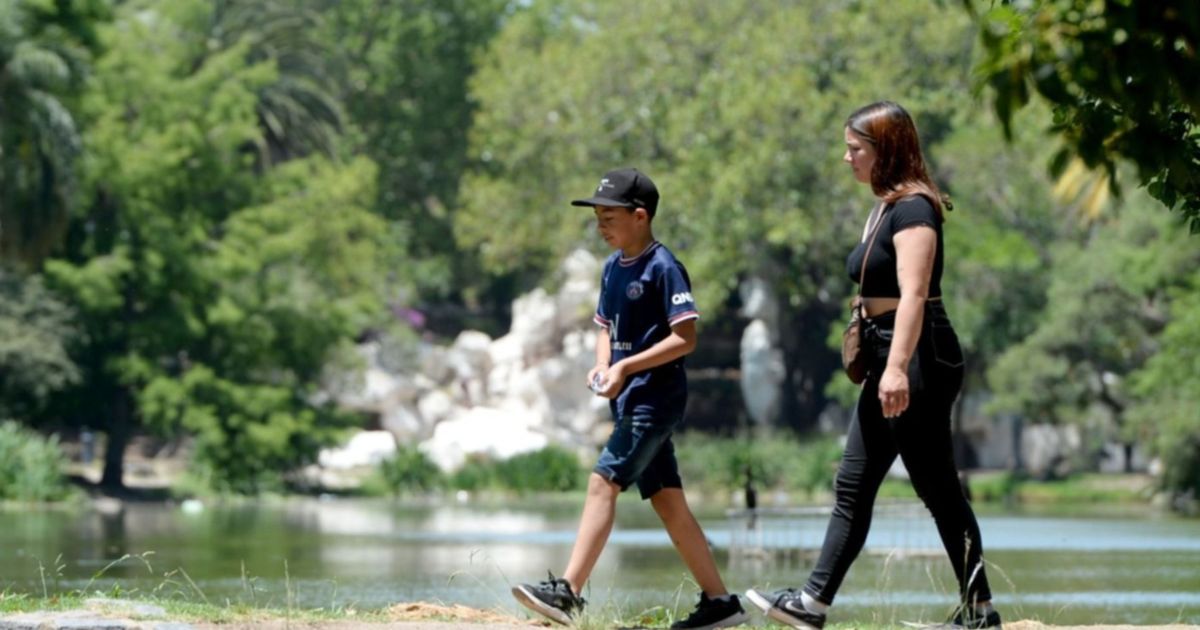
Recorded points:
(921, 437)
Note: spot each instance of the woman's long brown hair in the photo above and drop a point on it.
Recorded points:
(899, 169)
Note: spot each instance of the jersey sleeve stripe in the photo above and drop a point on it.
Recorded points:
(600, 321)
(683, 317)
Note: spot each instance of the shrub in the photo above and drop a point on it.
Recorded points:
(478, 472)
(410, 470)
(31, 466)
(776, 462)
(551, 469)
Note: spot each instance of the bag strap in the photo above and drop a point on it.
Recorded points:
(862, 274)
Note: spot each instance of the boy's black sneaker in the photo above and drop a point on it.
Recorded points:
(552, 598)
(967, 618)
(715, 613)
(786, 606)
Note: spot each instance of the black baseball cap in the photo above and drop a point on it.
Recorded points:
(624, 188)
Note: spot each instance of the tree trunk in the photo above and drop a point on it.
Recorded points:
(118, 436)
(1016, 463)
(809, 364)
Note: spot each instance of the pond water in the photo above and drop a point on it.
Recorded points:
(1133, 568)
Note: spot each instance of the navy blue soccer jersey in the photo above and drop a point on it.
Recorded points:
(640, 299)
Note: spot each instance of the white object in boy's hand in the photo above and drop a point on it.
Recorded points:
(598, 385)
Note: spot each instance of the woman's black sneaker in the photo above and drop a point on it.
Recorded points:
(552, 599)
(787, 607)
(715, 613)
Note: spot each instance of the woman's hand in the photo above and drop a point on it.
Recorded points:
(893, 392)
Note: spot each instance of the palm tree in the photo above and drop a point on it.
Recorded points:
(40, 64)
(299, 113)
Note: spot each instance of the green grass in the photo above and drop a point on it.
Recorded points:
(1080, 488)
(188, 611)
(999, 487)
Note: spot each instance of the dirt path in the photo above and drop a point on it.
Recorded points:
(414, 616)
(512, 624)
(481, 619)
(355, 625)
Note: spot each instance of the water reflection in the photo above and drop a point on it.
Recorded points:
(374, 553)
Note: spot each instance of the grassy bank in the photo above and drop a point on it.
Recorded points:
(12, 603)
(1080, 488)
(782, 469)
(709, 465)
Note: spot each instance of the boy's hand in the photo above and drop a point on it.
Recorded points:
(595, 373)
(611, 381)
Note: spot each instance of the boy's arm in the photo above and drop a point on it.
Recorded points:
(681, 342)
(603, 355)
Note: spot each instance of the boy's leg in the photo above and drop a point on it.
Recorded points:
(660, 483)
(633, 445)
(558, 599)
(599, 510)
(671, 506)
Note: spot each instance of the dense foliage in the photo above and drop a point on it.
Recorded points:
(1121, 76)
(206, 203)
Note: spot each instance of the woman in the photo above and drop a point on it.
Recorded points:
(914, 375)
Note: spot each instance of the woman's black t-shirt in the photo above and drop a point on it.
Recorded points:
(880, 279)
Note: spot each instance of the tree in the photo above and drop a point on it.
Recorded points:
(300, 111)
(1123, 78)
(45, 49)
(1107, 304)
(1164, 415)
(1000, 239)
(1001, 235)
(36, 332)
(408, 65)
(297, 283)
(736, 109)
(210, 290)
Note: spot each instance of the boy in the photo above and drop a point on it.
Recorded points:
(647, 316)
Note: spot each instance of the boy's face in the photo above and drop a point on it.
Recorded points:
(621, 227)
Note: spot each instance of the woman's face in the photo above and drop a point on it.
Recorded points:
(860, 155)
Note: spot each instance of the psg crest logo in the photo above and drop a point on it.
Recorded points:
(634, 290)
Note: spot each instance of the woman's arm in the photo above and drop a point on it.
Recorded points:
(915, 249)
(681, 342)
